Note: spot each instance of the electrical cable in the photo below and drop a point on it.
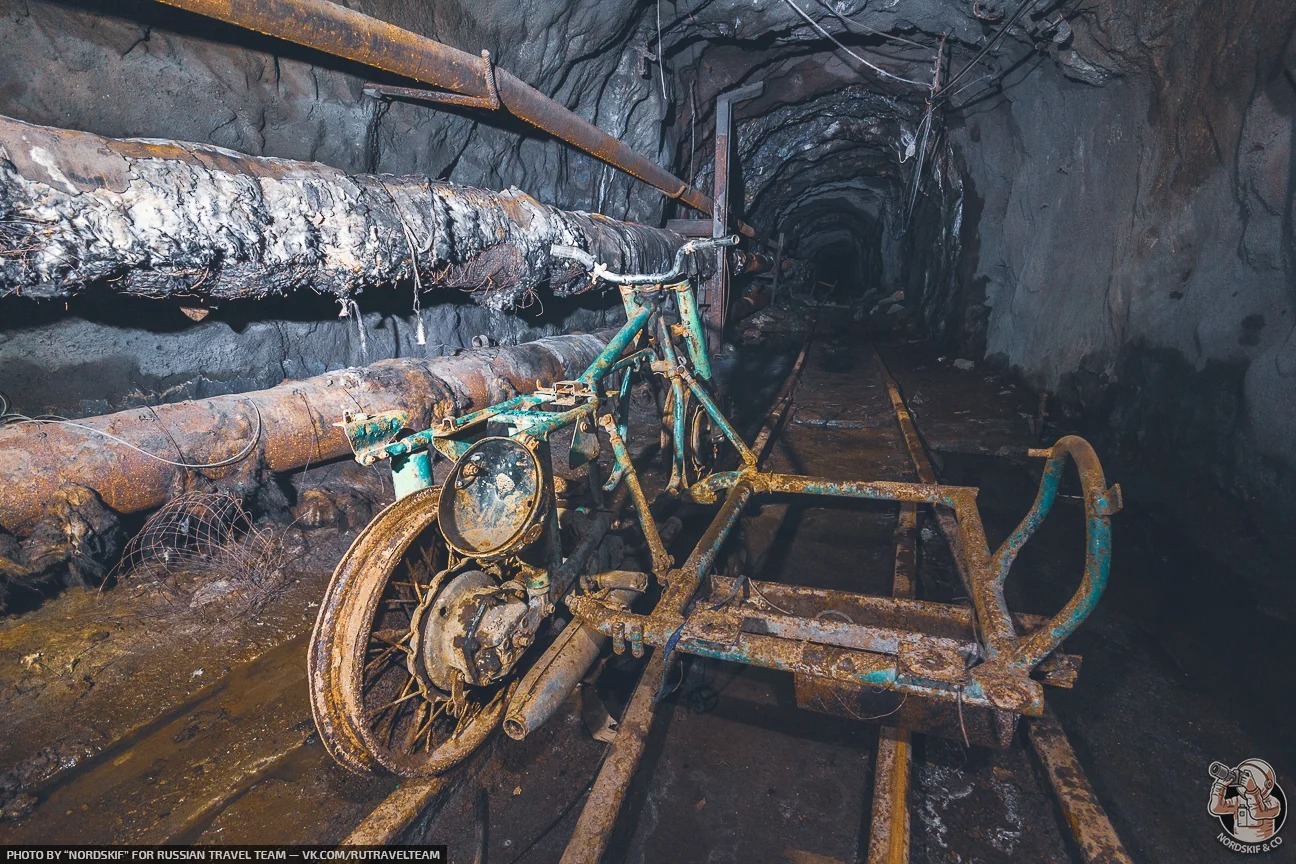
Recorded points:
(878, 69)
(63, 421)
(558, 820)
(867, 29)
(661, 55)
(994, 40)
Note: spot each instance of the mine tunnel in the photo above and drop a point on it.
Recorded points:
(607, 430)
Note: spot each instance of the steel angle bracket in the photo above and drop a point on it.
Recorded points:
(369, 436)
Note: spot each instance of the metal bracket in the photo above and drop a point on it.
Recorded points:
(568, 393)
(490, 102)
(368, 434)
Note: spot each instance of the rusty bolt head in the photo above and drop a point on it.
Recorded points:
(935, 664)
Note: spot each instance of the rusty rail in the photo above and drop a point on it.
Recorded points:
(390, 821)
(889, 822)
(922, 465)
(342, 32)
(593, 832)
(1091, 829)
(280, 429)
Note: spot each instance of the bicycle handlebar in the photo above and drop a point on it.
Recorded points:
(599, 271)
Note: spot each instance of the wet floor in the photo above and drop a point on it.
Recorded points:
(174, 728)
(144, 714)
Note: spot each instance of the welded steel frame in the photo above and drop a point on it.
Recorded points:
(656, 315)
(992, 670)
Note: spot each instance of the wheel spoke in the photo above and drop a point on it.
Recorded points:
(383, 655)
(393, 719)
(404, 697)
(394, 636)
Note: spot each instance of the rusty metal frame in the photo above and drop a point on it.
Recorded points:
(984, 660)
(993, 671)
(717, 291)
(990, 668)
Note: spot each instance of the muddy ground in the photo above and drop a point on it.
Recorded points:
(157, 712)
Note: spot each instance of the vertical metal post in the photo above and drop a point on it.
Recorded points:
(778, 268)
(718, 289)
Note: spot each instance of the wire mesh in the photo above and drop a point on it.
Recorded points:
(204, 545)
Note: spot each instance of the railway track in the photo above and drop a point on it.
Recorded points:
(239, 759)
(858, 425)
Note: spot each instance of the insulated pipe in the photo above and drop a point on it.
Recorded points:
(166, 218)
(280, 429)
(342, 32)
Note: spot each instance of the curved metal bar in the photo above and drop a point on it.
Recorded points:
(1100, 503)
(586, 260)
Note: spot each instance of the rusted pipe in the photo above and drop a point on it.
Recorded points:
(748, 263)
(281, 429)
(552, 679)
(342, 32)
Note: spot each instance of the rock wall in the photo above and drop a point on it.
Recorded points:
(140, 69)
(1134, 249)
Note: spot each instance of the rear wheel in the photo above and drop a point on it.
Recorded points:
(375, 705)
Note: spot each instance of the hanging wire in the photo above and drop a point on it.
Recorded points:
(994, 40)
(661, 54)
(72, 424)
(692, 131)
(830, 37)
(351, 309)
(420, 334)
(923, 134)
(870, 30)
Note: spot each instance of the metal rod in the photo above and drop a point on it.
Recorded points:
(341, 32)
(594, 828)
(661, 560)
